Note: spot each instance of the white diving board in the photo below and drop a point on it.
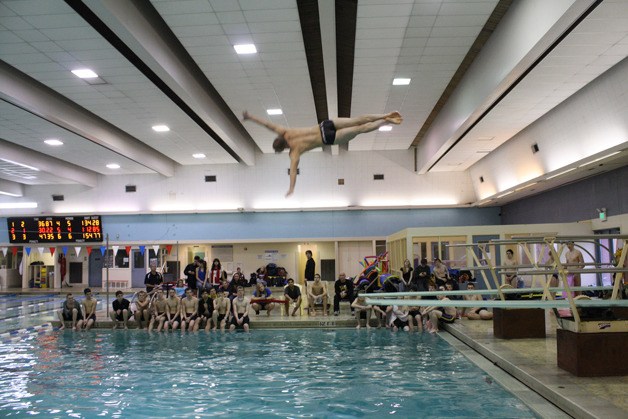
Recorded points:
(497, 303)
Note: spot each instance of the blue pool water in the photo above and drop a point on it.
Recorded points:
(267, 373)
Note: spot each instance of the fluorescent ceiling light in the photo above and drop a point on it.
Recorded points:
(84, 73)
(161, 128)
(561, 173)
(113, 166)
(274, 111)
(598, 159)
(199, 155)
(20, 164)
(385, 128)
(504, 194)
(245, 49)
(9, 194)
(53, 142)
(401, 82)
(17, 205)
(485, 202)
(527, 186)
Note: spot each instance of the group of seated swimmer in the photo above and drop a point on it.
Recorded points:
(216, 308)
(220, 307)
(428, 317)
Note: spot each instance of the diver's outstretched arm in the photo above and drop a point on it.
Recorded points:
(273, 127)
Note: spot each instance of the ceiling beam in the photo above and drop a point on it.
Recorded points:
(311, 30)
(31, 95)
(11, 188)
(48, 164)
(139, 33)
(346, 21)
(503, 62)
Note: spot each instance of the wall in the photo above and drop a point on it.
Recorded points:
(169, 228)
(575, 202)
(261, 187)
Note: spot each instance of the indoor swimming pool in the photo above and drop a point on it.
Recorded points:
(267, 373)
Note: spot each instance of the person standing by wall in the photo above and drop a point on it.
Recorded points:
(310, 267)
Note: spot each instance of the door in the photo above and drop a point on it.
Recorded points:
(96, 262)
(350, 256)
(138, 268)
(76, 273)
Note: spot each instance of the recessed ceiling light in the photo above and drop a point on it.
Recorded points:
(274, 111)
(84, 73)
(161, 128)
(113, 166)
(401, 82)
(245, 49)
(20, 164)
(199, 155)
(53, 141)
(385, 128)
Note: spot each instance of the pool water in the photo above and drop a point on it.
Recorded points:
(267, 373)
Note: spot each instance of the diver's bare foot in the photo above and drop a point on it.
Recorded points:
(368, 326)
(312, 313)
(62, 326)
(394, 118)
(357, 327)
(115, 325)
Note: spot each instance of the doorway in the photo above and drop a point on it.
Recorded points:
(95, 268)
(76, 273)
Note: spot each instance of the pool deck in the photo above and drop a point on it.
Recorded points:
(531, 361)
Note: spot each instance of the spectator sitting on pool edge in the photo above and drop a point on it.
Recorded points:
(89, 309)
(292, 294)
(240, 313)
(120, 311)
(71, 311)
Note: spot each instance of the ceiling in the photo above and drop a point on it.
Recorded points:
(173, 62)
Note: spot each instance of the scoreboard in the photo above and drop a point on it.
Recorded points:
(83, 229)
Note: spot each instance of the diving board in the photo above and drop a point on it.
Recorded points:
(497, 303)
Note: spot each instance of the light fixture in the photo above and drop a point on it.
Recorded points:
(84, 73)
(561, 173)
(527, 186)
(274, 111)
(17, 205)
(113, 166)
(161, 128)
(385, 128)
(401, 82)
(20, 164)
(53, 142)
(9, 194)
(199, 155)
(245, 49)
(598, 159)
(504, 194)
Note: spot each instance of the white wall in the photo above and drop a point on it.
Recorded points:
(263, 186)
(593, 121)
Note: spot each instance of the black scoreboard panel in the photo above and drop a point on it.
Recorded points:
(82, 229)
